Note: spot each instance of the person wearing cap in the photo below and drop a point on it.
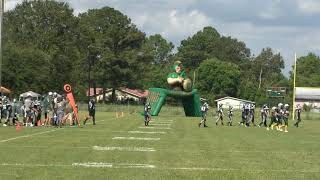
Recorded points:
(27, 107)
(297, 115)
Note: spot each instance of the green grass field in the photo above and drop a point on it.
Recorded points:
(173, 148)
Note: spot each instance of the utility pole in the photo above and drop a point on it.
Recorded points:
(89, 73)
(1, 20)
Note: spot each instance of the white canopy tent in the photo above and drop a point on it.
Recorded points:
(29, 93)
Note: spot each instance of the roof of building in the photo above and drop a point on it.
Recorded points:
(134, 92)
(307, 93)
(302, 97)
(98, 91)
(237, 99)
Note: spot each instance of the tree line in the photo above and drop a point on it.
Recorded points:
(45, 45)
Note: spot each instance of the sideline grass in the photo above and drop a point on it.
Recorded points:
(183, 152)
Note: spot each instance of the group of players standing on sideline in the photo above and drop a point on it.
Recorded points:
(9, 110)
(279, 116)
(55, 109)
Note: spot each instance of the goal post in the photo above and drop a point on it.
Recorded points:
(294, 86)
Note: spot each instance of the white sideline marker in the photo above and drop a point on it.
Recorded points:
(148, 127)
(25, 136)
(136, 138)
(145, 132)
(138, 149)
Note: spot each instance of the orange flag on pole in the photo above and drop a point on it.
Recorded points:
(68, 90)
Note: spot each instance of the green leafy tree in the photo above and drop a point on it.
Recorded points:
(262, 72)
(159, 48)
(308, 71)
(119, 43)
(19, 71)
(267, 67)
(159, 56)
(48, 27)
(218, 79)
(207, 44)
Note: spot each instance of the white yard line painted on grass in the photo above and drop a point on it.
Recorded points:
(202, 169)
(119, 131)
(93, 130)
(161, 121)
(232, 169)
(148, 166)
(136, 138)
(110, 165)
(34, 165)
(8, 174)
(146, 132)
(160, 124)
(138, 149)
(25, 136)
(308, 142)
(272, 152)
(46, 147)
(93, 164)
(148, 127)
(309, 154)
(143, 166)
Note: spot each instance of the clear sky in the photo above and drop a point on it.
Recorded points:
(287, 26)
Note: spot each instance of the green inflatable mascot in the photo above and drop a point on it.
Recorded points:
(178, 79)
(180, 89)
